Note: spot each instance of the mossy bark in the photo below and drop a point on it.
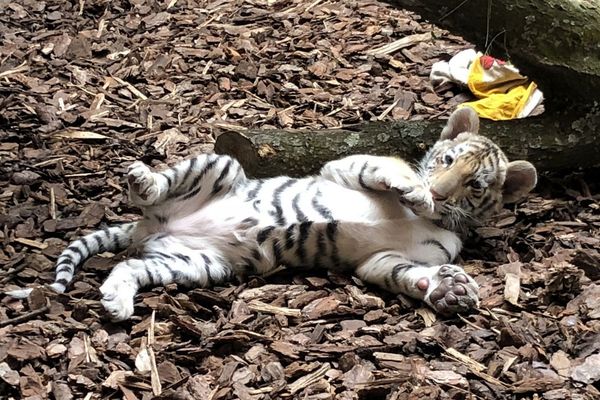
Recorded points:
(555, 42)
(557, 142)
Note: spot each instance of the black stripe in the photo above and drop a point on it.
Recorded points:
(76, 250)
(289, 237)
(86, 245)
(63, 268)
(250, 222)
(149, 276)
(189, 170)
(321, 249)
(62, 281)
(397, 269)
(161, 236)
(256, 254)
(152, 257)
(158, 264)
(277, 252)
(182, 257)
(65, 258)
(486, 204)
(321, 209)
(441, 247)
(217, 184)
(361, 176)
(108, 235)
(303, 235)
(175, 176)
(387, 281)
(117, 240)
(99, 242)
(300, 216)
(279, 218)
(252, 194)
(389, 255)
(138, 281)
(264, 234)
(207, 264)
(163, 255)
(249, 265)
(331, 231)
(196, 184)
(168, 178)
(495, 160)
(171, 272)
(470, 203)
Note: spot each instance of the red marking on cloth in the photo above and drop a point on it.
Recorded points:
(488, 61)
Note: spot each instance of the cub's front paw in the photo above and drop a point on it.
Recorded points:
(143, 189)
(418, 198)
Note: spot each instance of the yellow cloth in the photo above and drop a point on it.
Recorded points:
(502, 92)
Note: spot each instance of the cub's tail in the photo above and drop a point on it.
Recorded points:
(108, 239)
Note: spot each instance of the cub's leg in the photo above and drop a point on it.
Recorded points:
(445, 288)
(201, 177)
(375, 173)
(160, 266)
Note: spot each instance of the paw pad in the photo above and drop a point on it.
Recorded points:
(452, 291)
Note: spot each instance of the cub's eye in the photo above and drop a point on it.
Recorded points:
(475, 185)
(448, 159)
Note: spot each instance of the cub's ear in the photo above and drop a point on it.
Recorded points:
(464, 119)
(521, 177)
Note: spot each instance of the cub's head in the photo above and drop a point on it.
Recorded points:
(469, 176)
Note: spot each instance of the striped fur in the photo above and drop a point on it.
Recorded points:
(204, 222)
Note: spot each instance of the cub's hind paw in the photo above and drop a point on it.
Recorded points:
(143, 189)
(451, 291)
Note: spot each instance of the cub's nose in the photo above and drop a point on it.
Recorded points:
(436, 196)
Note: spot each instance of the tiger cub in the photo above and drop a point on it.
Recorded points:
(204, 222)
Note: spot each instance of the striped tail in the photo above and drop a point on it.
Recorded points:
(108, 239)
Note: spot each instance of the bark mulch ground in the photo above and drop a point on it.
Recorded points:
(87, 87)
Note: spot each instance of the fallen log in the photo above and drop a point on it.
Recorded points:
(553, 42)
(550, 142)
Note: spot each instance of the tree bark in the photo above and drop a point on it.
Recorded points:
(553, 42)
(554, 142)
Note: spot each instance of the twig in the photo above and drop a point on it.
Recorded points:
(31, 243)
(309, 379)
(400, 44)
(25, 317)
(256, 305)
(473, 366)
(10, 272)
(452, 11)
(154, 376)
(21, 68)
(52, 206)
(131, 88)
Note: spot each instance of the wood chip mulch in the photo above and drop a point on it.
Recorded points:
(86, 87)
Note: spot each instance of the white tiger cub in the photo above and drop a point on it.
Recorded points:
(393, 226)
